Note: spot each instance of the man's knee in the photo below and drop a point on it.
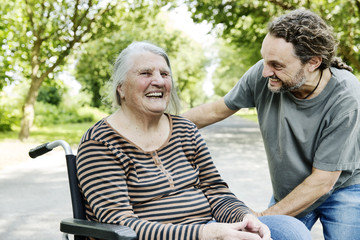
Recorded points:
(285, 227)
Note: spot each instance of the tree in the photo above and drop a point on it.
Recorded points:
(40, 34)
(94, 66)
(242, 23)
(230, 66)
(4, 32)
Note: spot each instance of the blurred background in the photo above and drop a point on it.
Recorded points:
(56, 56)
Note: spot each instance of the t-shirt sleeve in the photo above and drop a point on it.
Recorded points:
(242, 95)
(340, 144)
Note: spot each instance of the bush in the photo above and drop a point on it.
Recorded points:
(50, 94)
(8, 117)
(6, 121)
(47, 114)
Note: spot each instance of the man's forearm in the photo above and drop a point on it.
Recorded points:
(197, 115)
(208, 113)
(295, 202)
(305, 194)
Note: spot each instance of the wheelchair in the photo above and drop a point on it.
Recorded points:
(78, 226)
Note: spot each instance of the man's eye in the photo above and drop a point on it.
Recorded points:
(277, 66)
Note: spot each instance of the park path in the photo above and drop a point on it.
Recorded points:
(35, 197)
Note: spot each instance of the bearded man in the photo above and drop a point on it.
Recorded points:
(308, 105)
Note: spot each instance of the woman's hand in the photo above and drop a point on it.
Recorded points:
(248, 229)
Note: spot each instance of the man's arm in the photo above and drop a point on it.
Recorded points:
(311, 189)
(209, 113)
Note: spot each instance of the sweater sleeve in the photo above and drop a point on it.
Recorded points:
(226, 207)
(103, 182)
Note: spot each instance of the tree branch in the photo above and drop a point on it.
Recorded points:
(283, 5)
(357, 3)
(74, 18)
(77, 23)
(30, 15)
(88, 26)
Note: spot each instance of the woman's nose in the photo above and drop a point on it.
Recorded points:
(158, 79)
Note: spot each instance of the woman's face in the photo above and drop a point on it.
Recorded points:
(147, 87)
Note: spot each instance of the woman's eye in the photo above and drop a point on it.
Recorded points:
(145, 73)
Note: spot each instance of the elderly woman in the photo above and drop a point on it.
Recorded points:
(150, 170)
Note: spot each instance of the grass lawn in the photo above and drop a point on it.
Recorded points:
(249, 114)
(71, 133)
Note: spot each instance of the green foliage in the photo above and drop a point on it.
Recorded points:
(7, 118)
(8, 41)
(94, 67)
(344, 17)
(37, 36)
(243, 23)
(233, 62)
(240, 23)
(49, 95)
(48, 114)
(10, 106)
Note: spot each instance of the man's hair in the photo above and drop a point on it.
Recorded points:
(310, 36)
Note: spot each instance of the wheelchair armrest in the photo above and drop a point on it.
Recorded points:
(97, 230)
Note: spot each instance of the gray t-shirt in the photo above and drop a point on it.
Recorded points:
(322, 132)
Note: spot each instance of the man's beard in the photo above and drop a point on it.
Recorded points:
(298, 81)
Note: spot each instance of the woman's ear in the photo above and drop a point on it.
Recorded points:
(314, 63)
(120, 91)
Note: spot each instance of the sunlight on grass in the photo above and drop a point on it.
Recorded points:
(71, 133)
(248, 113)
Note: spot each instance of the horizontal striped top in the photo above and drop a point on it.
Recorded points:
(167, 194)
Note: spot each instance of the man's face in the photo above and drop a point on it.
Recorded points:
(284, 70)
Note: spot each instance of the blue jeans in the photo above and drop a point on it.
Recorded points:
(286, 228)
(339, 214)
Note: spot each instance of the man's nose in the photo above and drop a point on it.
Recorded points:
(267, 71)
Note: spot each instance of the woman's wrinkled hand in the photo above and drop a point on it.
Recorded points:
(249, 229)
(256, 226)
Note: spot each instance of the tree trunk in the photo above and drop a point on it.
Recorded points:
(28, 109)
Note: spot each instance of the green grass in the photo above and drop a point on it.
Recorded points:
(249, 114)
(251, 117)
(71, 133)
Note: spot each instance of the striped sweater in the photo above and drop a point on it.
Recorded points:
(169, 193)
